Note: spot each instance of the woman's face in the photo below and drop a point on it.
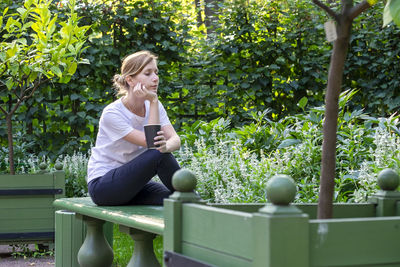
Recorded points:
(148, 77)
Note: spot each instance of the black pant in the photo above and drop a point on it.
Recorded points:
(130, 183)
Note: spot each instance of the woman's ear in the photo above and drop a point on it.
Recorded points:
(129, 80)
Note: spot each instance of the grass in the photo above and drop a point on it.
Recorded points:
(123, 248)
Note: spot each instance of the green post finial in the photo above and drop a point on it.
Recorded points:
(42, 167)
(280, 191)
(58, 166)
(184, 182)
(388, 180)
(387, 198)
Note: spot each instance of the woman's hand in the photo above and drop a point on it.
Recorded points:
(141, 91)
(161, 142)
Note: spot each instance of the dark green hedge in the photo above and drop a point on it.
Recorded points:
(263, 55)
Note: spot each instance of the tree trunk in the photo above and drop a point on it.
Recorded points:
(198, 13)
(335, 77)
(10, 143)
(211, 15)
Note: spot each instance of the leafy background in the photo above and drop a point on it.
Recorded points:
(262, 55)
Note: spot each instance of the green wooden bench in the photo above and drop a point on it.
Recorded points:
(26, 210)
(142, 223)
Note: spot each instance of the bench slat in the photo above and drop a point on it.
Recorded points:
(147, 218)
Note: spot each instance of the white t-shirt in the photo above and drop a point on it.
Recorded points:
(111, 150)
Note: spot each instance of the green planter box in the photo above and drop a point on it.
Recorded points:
(26, 210)
(280, 234)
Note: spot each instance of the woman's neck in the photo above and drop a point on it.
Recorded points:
(135, 105)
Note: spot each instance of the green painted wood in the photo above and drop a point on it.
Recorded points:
(244, 207)
(26, 226)
(108, 230)
(27, 181)
(70, 233)
(146, 218)
(214, 257)
(355, 242)
(25, 202)
(59, 182)
(217, 229)
(173, 225)
(386, 202)
(143, 250)
(341, 210)
(27, 213)
(95, 250)
(280, 240)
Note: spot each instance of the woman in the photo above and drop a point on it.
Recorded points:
(120, 168)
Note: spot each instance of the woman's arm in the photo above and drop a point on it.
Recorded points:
(136, 137)
(167, 140)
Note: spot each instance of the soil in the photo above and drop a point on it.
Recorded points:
(14, 257)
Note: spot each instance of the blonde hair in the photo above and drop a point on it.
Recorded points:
(132, 65)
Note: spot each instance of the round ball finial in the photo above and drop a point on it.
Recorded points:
(43, 166)
(59, 166)
(388, 180)
(281, 189)
(184, 181)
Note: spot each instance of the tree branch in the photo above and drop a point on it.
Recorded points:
(326, 8)
(3, 110)
(36, 86)
(358, 9)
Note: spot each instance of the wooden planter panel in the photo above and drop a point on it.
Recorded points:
(217, 234)
(26, 209)
(340, 210)
(355, 242)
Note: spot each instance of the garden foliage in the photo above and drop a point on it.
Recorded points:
(36, 47)
(233, 164)
(264, 54)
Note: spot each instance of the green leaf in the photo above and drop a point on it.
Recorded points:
(28, 4)
(51, 27)
(9, 84)
(22, 11)
(303, 102)
(74, 96)
(72, 68)
(395, 11)
(12, 51)
(391, 12)
(56, 70)
(289, 142)
(387, 17)
(35, 26)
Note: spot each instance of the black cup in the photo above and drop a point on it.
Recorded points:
(150, 130)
